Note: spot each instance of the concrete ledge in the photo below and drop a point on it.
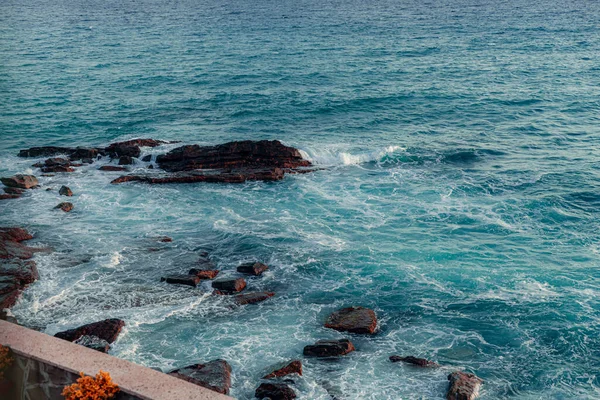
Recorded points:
(134, 380)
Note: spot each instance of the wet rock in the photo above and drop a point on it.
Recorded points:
(150, 166)
(353, 319)
(463, 386)
(94, 343)
(252, 268)
(242, 154)
(147, 158)
(24, 272)
(20, 181)
(329, 348)
(65, 206)
(235, 176)
(107, 329)
(14, 234)
(65, 191)
(275, 391)
(204, 273)
(45, 151)
(164, 239)
(420, 362)
(136, 142)
(51, 162)
(125, 160)
(214, 375)
(229, 285)
(189, 280)
(14, 190)
(9, 196)
(293, 367)
(58, 168)
(10, 291)
(252, 298)
(112, 168)
(87, 160)
(121, 150)
(85, 154)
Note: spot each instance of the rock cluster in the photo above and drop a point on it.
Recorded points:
(214, 375)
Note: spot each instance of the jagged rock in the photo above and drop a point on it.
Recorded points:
(229, 285)
(293, 367)
(275, 391)
(251, 298)
(94, 343)
(137, 142)
(147, 158)
(125, 160)
(112, 168)
(420, 362)
(14, 190)
(9, 196)
(49, 151)
(353, 319)
(252, 268)
(58, 168)
(24, 272)
(214, 375)
(51, 162)
(242, 154)
(14, 234)
(189, 280)
(85, 154)
(463, 386)
(107, 329)
(20, 181)
(235, 176)
(65, 191)
(121, 150)
(204, 273)
(10, 246)
(329, 348)
(65, 206)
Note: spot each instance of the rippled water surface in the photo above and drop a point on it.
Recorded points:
(460, 197)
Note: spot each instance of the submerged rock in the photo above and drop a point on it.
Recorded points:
(20, 181)
(353, 319)
(252, 268)
(94, 343)
(463, 386)
(229, 286)
(275, 391)
(14, 190)
(252, 298)
(204, 273)
(107, 329)
(65, 191)
(58, 168)
(112, 168)
(65, 206)
(420, 362)
(214, 375)
(189, 280)
(293, 367)
(329, 348)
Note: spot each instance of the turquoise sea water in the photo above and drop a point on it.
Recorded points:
(461, 198)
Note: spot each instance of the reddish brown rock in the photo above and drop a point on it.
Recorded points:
(463, 386)
(122, 150)
(49, 151)
(293, 367)
(107, 329)
(20, 181)
(14, 234)
(229, 285)
(137, 142)
(214, 375)
(164, 239)
(58, 168)
(65, 191)
(204, 273)
(236, 176)
(252, 268)
(112, 168)
(24, 272)
(13, 249)
(252, 298)
(419, 362)
(189, 280)
(9, 196)
(65, 206)
(275, 391)
(329, 348)
(10, 291)
(353, 319)
(14, 190)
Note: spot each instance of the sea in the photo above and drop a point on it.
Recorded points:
(458, 190)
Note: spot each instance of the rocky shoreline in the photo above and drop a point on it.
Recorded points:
(233, 162)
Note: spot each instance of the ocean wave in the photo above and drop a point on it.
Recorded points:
(336, 156)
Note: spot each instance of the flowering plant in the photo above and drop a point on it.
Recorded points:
(88, 388)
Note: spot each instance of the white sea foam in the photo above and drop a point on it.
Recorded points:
(329, 155)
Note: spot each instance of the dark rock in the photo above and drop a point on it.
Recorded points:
(65, 206)
(87, 160)
(164, 239)
(58, 168)
(463, 386)
(420, 362)
(14, 234)
(46, 151)
(150, 166)
(20, 181)
(120, 150)
(293, 367)
(242, 154)
(189, 280)
(252, 268)
(251, 298)
(24, 272)
(275, 391)
(49, 189)
(230, 285)
(353, 319)
(94, 343)
(107, 329)
(9, 196)
(65, 191)
(236, 176)
(125, 160)
(204, 273)
(112, 168)
(14, 190)
(85, 154)
(147, 158)
(136, 142)
(10, 297)
(329, 348)
(214, 375)
(51, 162)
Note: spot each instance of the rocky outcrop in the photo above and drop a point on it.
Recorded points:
(10, 246)
(252, 298)
(214, 375)
(94, 343)
(20, 181)
(112, 168)
(9, 196)
(353, 319)
(252, 268)
(329, 348)
(15, 275)
(65, 191)
(56, 164)
(293, 367)
(242, 154)
(107, 330)
(65, 206)
(189, 280)
(74, 153)
(463, 386)
(419, 362)
(229, 286)
(234, 176)
(125, 160)
(13, 190)
(275, 391)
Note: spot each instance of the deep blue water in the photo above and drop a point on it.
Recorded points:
(461, 199)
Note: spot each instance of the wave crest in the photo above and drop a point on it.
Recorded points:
(335, 156)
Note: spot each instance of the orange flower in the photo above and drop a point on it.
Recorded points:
(88, 388)
(5, 360)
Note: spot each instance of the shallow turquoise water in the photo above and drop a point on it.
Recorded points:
(461, 196)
